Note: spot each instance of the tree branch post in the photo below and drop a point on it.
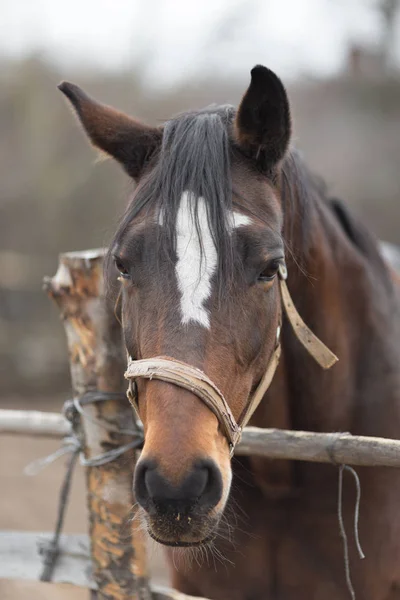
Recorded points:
(97, 363)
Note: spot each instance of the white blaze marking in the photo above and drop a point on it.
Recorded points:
(197, 257)
(194, 270)
(238, 220)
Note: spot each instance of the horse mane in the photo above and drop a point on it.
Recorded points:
(306, 203)
(299, 190)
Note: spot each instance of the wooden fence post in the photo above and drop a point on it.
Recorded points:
(97, 362)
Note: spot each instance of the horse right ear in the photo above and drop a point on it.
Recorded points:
(131, 143)
(263, 124)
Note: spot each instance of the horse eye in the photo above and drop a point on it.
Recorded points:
(270, 271)
(121, 268)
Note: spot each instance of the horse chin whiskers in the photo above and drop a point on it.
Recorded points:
(186, 554)
(201, 531)
(138, 519)
(205, 552)
(182, 544)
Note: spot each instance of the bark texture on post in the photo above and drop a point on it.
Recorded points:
(97, 362)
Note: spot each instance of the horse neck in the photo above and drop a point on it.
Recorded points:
(343, 293)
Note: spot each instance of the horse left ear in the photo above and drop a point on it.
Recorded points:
(130, 142)
(263, 123)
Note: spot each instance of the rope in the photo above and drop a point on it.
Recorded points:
(107, 457)
(50, 549)
(69, 444)
(93, 398)
(342, 527)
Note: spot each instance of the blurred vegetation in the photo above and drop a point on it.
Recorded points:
(56, 196)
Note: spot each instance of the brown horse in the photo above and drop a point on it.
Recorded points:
(221, 203)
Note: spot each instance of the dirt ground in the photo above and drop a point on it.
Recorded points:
(30, 503)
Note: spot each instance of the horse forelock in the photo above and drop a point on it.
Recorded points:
(194, 159)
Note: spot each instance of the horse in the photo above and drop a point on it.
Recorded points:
(223, 209)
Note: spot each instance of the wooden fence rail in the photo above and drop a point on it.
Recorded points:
(340, 448)
(34, 423)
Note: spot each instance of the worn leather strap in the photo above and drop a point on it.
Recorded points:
(262, 387)
(321, 353)
(190, 378)
(196, 381)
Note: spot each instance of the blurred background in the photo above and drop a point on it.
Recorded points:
(340, 60)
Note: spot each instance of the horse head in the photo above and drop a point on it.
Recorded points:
(198, 252)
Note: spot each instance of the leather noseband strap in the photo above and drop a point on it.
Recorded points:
(196, 381)
(190, 378)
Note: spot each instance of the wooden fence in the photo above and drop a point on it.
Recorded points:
(100, 425)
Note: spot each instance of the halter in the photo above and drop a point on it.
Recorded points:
(196, 381)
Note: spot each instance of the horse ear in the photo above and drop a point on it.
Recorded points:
(128, 141)
(263, 124)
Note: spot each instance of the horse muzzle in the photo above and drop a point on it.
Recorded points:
(183, 513)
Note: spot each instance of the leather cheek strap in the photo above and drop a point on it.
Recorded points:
(262, 387)
(320, 353)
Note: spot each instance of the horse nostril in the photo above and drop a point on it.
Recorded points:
(140, 485)
(201, 487)
(212, 489)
